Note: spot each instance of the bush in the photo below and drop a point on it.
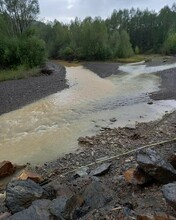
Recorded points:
(170, 44)
(9, 53)
(32, 52)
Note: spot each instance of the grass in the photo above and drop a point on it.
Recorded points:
(19, 73)
(133, 59)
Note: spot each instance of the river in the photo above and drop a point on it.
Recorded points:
(50, 127)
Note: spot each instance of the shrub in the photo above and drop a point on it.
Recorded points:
(32, 52)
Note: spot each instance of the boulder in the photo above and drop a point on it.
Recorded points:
(30, 175)
(64, 207)
(154, 165)
(21, 193)
(169, 192)
(37, 211)
(6, 168)
(100, 170)
(96, 195)
(136, 176)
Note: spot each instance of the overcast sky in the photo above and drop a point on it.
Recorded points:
(66, 10)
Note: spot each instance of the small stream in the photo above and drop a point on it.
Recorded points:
(50, 127)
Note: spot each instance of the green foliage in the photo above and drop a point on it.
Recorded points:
(18, 14)
(136, 50)
(170, 44)
(125, 49)
(32, 52)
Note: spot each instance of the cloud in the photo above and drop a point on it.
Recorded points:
(63, 10)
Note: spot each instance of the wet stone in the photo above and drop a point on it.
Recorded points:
(154, 165)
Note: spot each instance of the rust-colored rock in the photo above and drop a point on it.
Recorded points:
(6, 168)
(136, 176)
(30, 175)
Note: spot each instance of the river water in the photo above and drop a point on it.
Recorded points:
(50, 127)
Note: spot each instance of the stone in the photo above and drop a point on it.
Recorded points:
(37, 211)
(112, 119)
(64, 207)
(55, 189)
(150, 103)
(136, 176)
(21, 193)
(6, 168)
(101, 170)
(83, 171)
(96, 195)
(169, 192)
(4, 215)
(155, 166)
(30, 175)
(156, 216)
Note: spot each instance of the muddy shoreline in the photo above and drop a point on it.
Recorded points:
(15, 94)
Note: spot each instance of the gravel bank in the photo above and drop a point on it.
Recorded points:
(102, 69)
(167, 89)
(17, 93)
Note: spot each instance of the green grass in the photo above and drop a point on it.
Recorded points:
(19, 73)
(133, 59)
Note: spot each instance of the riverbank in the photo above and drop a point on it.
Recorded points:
(103, 195)
(17, 93)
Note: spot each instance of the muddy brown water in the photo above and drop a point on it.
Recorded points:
(50, 127)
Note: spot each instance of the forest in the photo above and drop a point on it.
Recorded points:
(24, 40)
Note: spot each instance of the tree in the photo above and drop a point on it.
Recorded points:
(170, 44)
(125, 48)
(19, 14)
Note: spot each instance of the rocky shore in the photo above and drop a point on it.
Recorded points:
(121, 173)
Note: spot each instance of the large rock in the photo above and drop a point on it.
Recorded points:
(6, 168)
(21, 193)
(64, 207)
(169, 192)
(154, 165)
(37, 211)
(96, 195)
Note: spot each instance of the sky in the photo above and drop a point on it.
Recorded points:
(66, 10)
